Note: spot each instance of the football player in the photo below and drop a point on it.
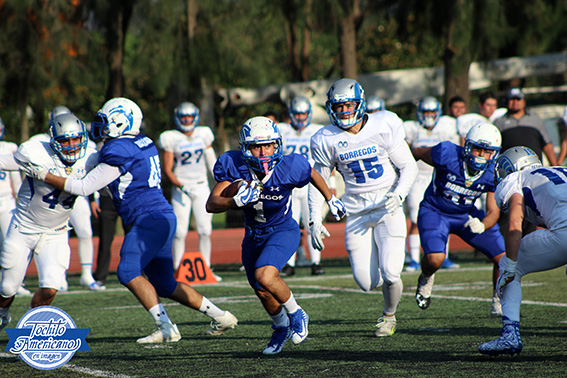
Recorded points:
(375, 104)
(39, 226)
(187, 157)
(296, 137)
(461, 175)
(129, 165)
(368, 150)
(527, 190)
(430, 129)
(272, 235)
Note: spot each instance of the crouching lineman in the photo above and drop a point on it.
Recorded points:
(368, 150)
(526, 189)
(39, 227)
(128, 163)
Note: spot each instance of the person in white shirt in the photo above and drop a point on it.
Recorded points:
(187, 157)
(40, 224)
(378, 168)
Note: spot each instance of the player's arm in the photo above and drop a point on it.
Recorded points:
(319, 183)
(423, 153)
(102, 175)
(492, 211)
(216, 203)
(513, 235)
(210, 158)
(168, 163)
(550, 154)
(9, 163)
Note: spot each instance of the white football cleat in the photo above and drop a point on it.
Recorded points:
(423, 292)
(222, 323)
(23, 292)
(386, 326)
(166, 333)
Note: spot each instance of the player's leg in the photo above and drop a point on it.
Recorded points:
(434, 232)
(289, 269)
(314, 254)
(413, 199)
(5, 218)
(204, 225)
(181, 204)
(52, 260)
(107, 228)
(15, 257)
(390, 236)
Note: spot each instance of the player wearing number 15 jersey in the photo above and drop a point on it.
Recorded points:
(129, 165)
(368, 150)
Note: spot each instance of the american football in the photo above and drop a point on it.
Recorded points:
(232, 189)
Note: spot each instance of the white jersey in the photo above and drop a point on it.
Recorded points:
(42, 208)
(298, 141)
(545, 195)
(8, 184)
(363, 159)
(419, 136)
(189, 153)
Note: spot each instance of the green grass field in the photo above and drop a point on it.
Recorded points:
(439, 342)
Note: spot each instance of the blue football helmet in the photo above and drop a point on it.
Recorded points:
(65, 126)
(428, 104)
(260, 130)
(186, 109)
(346, 90)
(484, 135)
(298, 108)
(118, 116)
(375, 104)
(515, 159)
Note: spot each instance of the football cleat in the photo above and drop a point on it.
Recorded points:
(412, 266)
(89, 281)
(222, 323)
(496, 307)
(166, 333)
(279, 337)
(5, 319)
(316, 270)
(423, 292)
(299, 321)
(509, 343)
(23, 292)
(448, 264)
(287, 271)
(386, 326)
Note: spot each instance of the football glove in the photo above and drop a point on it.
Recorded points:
(336, 207)
(318, 233)
(247, 193)
(184, 190)
(34, 170)
(475, 224)
(507, 274)
(393, 202)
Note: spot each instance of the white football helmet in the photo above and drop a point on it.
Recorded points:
(346, 90)
(260, 130)
(299, 107)
(428, 104)
(375, 104)
(515, 159)
(484, 135)
(118, 116)
(58, 110)
(186, 109)
(65, 126)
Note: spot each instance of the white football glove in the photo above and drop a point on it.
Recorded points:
(393, 202)
(247, 193)
(34, 170)
(184, 190)
(318, 233)
(507, 274)
(336, 207)
(475, 224)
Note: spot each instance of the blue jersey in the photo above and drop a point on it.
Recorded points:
(450, 190)
(274, 206)
(138, 189)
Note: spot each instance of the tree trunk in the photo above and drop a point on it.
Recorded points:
(458, 56)
(118, 20)
(347, 38)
